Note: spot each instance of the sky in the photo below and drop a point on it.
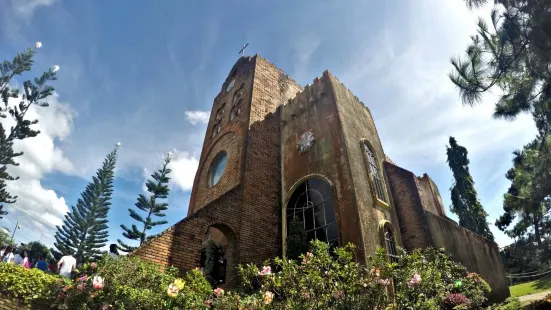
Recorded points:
(145, 74)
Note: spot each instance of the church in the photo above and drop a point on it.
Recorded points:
(275, 152)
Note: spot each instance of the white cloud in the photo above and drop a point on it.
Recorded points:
(26, 8)
(39, 209)
(402, 76)
(183, 166)
(197, 117)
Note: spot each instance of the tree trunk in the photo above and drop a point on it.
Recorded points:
(537, 231)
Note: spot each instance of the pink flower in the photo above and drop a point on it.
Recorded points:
(415, 280)
(208, 303)
(93, 265)
(218, 292)
(383, 282)
(266, 270)
(81, 286)
(268, 297)
(83, 278)
(97, 282)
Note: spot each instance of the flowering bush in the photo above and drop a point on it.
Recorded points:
(130, 283)
(319, 279)
(28, 285)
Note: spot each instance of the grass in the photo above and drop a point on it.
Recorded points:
(528, 288)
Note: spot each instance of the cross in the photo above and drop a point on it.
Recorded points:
(242, 51)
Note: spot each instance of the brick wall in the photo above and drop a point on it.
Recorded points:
(430, 195)
(261, 213)
(409, 207)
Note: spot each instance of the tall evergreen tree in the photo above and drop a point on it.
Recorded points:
(511, 54)
(158, 188)
(464, 198)
(35, 91)
(528, 199)
(84, 229)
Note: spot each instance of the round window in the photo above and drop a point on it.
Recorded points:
(217, 168)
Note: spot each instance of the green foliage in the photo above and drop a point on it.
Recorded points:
(5, 238)
(84, 229)
(465, 201)
(35, 249)
(158, 188)
(35, 91)
(130, 283)
(513, 55)
(297, 242)
(321, 279)
(509, 304)
(28, 285)
(528, 199)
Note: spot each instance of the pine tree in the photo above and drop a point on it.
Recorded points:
(34, 92)
(511, 54)
(464, 197)
(158, 188)
(84, 229)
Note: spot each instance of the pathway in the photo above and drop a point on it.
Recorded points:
(533, 297)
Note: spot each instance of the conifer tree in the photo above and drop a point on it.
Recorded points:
(84, 229)
(34, 92)
(464, 197)
(158, 188)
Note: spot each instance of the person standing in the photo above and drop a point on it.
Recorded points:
(8, 255)
(41, 264)
(2, 250)
(66, 265)
(113, 251)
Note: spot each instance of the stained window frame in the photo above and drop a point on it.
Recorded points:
(325, 203)
(214, 163)
(377, 180)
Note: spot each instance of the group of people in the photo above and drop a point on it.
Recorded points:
(65, 265)
(9, 254)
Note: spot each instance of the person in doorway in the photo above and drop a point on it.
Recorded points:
(41, 264)
(66, 265)
(8, 255)
(113, 251)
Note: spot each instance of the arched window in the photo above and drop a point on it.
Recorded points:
(390, 243)
(311, 204)
(375, 173)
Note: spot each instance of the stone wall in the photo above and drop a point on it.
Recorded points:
(416, 200)
(475, 252)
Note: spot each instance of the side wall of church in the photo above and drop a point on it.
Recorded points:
(314, 110)
(404, 187)
(431, 195)
(260, 227)
(358, 127)
(475, 252)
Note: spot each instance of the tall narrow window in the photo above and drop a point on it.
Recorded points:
(311, 205)
(375, 172)
(390, 243)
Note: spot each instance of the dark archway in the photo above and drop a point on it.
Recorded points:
(218, 255)
(310, 214)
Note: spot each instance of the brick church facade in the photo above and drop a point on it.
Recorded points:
(275, 151)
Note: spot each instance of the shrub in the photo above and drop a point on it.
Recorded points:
(542, 304)
(28, 285)
(511, 303)
(130, 283)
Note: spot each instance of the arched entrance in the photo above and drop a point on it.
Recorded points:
(218, 255)
(309, 215)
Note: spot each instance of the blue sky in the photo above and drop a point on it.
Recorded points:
(145, 73)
